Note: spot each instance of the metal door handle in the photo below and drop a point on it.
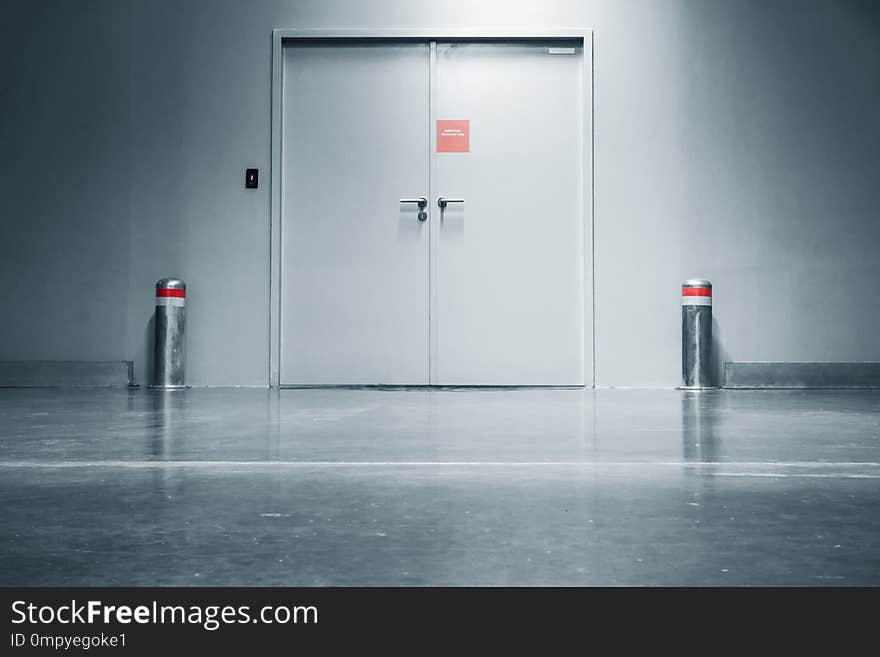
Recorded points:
(442, 201)
(422, 201)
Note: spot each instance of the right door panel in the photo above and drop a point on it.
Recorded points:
(509, 261)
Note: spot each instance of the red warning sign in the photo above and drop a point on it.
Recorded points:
(453, 136)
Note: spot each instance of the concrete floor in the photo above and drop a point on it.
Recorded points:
(442, 487)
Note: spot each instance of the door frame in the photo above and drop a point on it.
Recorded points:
(282, 36)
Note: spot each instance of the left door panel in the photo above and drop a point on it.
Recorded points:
(354, 260)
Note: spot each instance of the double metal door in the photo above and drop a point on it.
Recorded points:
(432, 214)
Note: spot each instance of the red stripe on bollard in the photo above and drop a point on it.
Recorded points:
(696, 291)
(170, 292)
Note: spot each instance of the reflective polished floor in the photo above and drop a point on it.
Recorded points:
(439, 487)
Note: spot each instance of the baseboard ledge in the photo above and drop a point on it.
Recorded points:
(66, 374)
(745, 375)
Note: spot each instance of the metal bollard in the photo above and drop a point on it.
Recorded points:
(170, 363)
(696, 334)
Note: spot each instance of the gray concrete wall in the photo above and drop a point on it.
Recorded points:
(737, 141)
